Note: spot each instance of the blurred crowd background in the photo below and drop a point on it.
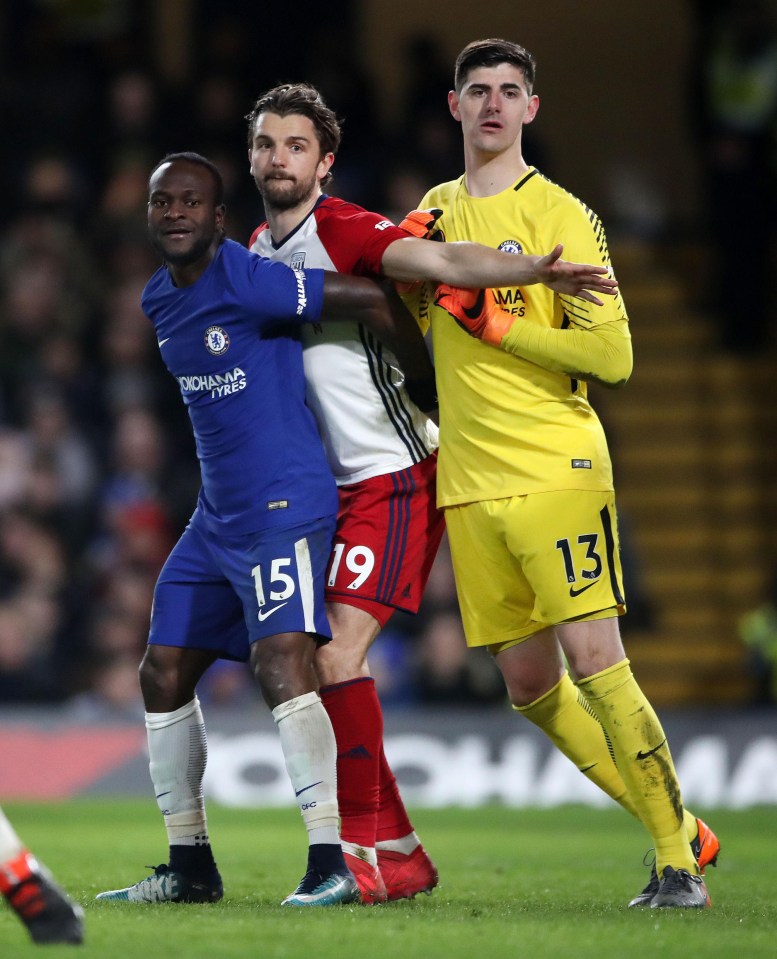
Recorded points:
(97, 467)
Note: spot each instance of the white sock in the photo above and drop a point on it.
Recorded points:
(178, 751)
(10, 844)
(310, 751)
(404, 845)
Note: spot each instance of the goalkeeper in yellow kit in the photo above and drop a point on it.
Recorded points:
(525, 477)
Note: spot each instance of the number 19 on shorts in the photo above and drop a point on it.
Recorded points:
(358, 560)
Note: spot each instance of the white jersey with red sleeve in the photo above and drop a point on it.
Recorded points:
(354, 385)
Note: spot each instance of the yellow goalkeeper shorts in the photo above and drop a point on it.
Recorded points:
(524, 563)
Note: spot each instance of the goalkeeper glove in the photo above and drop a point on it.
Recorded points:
(476, 312)
(421, 224)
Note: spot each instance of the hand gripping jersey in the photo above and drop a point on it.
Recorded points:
(507, 426)
(368, 423)
(231, 340)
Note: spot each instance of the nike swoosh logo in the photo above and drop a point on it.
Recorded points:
(474, 311)
(161, 343)
(577, 592)
(159, 795)
(263, 616)
(298, 792)
(650, 752)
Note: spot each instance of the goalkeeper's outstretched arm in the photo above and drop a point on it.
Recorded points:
(601, 354)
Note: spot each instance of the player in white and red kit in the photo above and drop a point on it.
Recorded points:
(382, 451)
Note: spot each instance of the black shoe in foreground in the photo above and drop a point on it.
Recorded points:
(705, 848)
(678, 889)
(166, 885)
(317, 890)
(48, 914)
(646, 896)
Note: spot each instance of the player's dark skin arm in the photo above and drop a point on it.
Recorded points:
(379, 308)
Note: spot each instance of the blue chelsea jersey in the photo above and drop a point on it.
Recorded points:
(231, 341)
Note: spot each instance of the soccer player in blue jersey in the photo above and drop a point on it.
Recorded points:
(246, 579)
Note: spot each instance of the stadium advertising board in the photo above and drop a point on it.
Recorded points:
(440, 758)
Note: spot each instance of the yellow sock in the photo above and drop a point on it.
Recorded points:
(644, 761)
(564, 716)
(691, 826)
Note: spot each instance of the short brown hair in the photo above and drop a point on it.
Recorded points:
(302, 98)
(490, 53)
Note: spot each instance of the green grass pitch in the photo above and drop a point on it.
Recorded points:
(514, 883)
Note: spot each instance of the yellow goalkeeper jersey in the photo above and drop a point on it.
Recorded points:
(508, 426)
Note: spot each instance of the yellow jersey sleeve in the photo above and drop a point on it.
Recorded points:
(602, 353)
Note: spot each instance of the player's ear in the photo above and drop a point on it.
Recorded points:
(325, 165)
(453, 105)
(532, 108)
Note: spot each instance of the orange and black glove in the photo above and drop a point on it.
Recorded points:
(476, 312)
(423, 225)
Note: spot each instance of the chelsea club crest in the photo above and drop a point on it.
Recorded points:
(216, 340)
(510, 246)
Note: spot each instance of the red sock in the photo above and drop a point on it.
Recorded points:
(393, 822)
(357, 720)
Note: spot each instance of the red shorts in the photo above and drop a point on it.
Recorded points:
(388, 531)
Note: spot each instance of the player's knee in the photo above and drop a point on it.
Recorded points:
(525, 693)
(532, 682)
(338, 662)
(283, 667)
(160, 684)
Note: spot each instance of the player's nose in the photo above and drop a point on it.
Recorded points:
(174, 211)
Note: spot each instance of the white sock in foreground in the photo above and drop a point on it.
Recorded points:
(310, 752)
(178, 752)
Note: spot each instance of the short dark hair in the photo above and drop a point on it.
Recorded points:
(302, 98)
(490, 53)
(188, 156)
